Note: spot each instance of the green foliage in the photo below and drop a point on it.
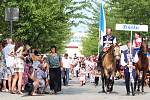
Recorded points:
(42, 23)
(130, 12)
(90, 43)
(116, 11)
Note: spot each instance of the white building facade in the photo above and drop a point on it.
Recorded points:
(75, 44)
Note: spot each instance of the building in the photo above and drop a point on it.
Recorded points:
(75, 44)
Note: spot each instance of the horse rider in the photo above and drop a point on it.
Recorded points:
(106, 42)
(136, 43)
(127, 61)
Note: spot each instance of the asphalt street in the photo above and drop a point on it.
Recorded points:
(88, 92)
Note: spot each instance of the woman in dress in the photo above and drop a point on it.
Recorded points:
(55, 63)
(19, 67)
(28, 63)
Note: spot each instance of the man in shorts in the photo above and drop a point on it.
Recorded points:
(8, 71)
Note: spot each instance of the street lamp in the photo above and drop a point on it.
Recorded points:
(11, 14)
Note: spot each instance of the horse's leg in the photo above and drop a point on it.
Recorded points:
(139, 83)
(107, 84)
(142, 81)
(112, 81)
(136, 81)
(107, 77)
(103, 82)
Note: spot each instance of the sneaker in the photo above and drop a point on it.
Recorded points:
(51, 92)
(4, 90)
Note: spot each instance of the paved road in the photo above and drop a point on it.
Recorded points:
(87, 92)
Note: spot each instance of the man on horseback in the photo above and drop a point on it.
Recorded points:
(106, 42)
(127, 61)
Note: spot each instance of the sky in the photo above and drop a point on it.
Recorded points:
(81, 27)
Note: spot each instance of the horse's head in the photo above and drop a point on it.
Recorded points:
(115, 50)
(117, 53)
(144, 46)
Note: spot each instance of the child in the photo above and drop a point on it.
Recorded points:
(91, 72)
(97, 75)
(82, 75)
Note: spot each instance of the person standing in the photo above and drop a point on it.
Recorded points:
(66, 68)
(19, 67)
(54, 61)
(127, 61)
(8, 52)
(27, 64)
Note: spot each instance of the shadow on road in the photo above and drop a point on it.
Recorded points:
(113, 92)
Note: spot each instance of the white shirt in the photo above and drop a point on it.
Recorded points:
(6, 51)
(123, 63)
(66, 62)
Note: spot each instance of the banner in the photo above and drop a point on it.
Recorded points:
(102, 22)
(132, 27)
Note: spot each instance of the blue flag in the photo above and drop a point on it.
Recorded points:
(102, 22)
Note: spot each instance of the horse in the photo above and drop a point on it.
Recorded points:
(141, 66)
(108, 68)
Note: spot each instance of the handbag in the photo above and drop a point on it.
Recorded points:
(29, 87)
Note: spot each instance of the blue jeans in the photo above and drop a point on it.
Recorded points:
(66, 76)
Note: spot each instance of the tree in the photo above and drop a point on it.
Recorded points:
(90, 43)
(42, 23)
(131, 11)
(117, 11)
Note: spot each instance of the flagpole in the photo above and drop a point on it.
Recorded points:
(99, 30)
(102, 24)
(131, 43)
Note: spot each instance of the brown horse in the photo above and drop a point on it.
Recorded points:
(109, 68)
(141, 66)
